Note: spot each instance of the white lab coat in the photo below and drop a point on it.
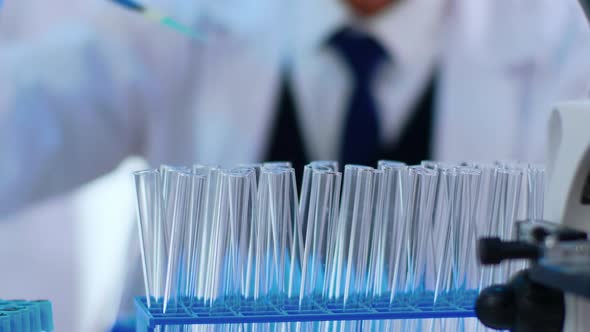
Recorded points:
(77, 102)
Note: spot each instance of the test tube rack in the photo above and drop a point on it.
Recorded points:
(456, 305)
(26, 316)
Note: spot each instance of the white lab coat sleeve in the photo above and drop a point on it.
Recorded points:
(70, 110)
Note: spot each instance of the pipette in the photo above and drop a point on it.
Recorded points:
(160, 18)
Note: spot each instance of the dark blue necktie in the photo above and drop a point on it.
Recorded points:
(362, 55)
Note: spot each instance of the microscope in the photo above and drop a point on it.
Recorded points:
(553, 294)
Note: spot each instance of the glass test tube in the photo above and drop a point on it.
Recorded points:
(443, 222)
(417, 246)
(168, 178)
(277, 247)
(193, 234)
(485, 208)
(536, 192)
(204, 241)
(329, 164)
(305, 192)
(521, 208)
(464, 231)
(279, 164)
(232, 217)
(437, 165)
(242, 204)
(386, 231)
(382, 164)
(257, 167)
(178, 203)
(152, 242)
(320, 218)
(349, 268)
(177, 193)
(505, 204)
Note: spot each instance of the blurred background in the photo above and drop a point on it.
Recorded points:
(74, 248)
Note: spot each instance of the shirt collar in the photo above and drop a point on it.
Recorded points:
(409, 31)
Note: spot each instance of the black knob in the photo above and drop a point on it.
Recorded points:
(540, 234)
(521, 306)
(496, 307)
(492, 251)
(539, 308)
(571, 235)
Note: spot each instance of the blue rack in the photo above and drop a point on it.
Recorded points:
(459, 305)
(30, 316)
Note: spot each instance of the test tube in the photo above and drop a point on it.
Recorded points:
(247, 229)
(279, 243)
(497, 202)
(488, 184)
(305, 192)
(536, 191)
(504, 209)
(437, 165)
(464, 230)
(387, 224)
(444, 214)
(484, 209)
(522, 207)
(177, 193)
(148, 188)
(321, 219)
(205, 244)
(242, 215)
(382, 164)
(349, 268)
(513, 196)
(165, 172)
(193, 234)
(531, 203)
(329, 164)
(277, 164)
(441, 221)
(417, 245)
(232, 218)
(257, 167)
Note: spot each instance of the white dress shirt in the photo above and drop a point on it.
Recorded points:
(408, 31)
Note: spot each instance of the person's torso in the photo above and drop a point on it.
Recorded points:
(485, 107)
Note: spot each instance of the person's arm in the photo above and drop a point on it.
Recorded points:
(69, 112)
